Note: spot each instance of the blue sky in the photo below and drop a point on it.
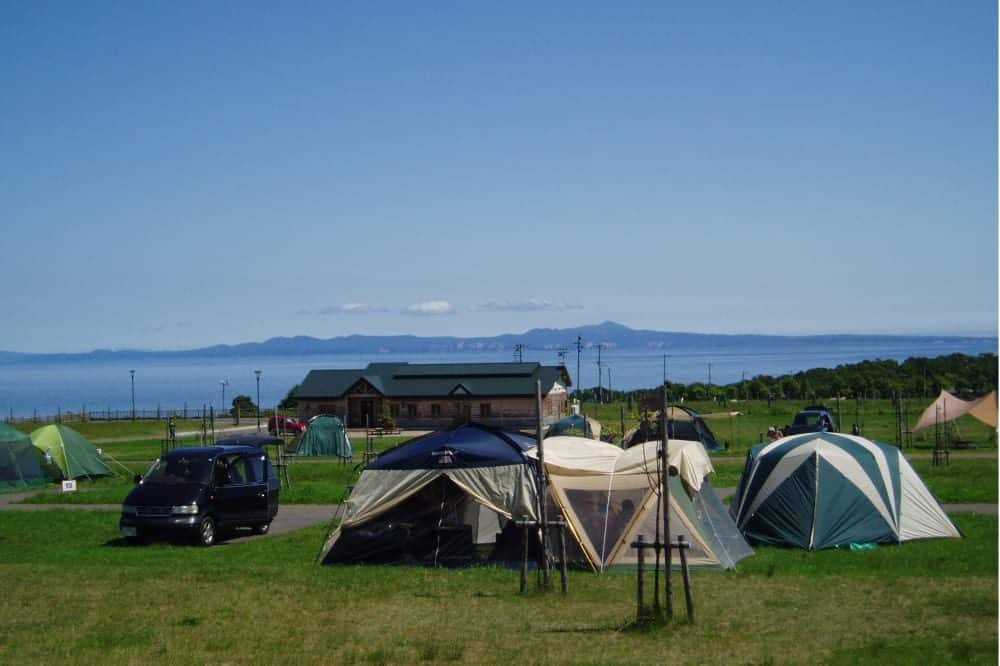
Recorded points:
(176, 175)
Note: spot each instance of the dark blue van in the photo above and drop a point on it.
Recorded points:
(197, 492)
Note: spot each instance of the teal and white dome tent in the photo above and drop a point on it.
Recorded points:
(825, 490)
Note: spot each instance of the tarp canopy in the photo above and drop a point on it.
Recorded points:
(325, 436)
(947, 407)
(19, 467)
(448, 498)
(577, 425)
(70, 451)
(609, 496)
(827, 490)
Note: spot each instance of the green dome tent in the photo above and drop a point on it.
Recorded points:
(70, 451)
(829, 490)
(325, 436)
(19, 468)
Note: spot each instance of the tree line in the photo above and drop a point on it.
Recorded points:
(963, 375)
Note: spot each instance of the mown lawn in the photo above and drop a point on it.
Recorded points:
(72, 593)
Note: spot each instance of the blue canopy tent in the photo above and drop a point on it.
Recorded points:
(449, 498)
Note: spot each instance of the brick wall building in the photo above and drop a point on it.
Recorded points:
(436, 396)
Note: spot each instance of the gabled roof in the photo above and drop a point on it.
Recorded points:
(430, 380)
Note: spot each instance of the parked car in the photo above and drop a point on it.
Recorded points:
(814, 418)
(199, 492)
(284, 424)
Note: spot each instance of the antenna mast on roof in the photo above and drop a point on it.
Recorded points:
(519, 352)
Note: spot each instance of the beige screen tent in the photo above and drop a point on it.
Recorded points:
(609, 497)
(949, 408)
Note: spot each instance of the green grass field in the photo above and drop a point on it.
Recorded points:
(876, 417)
(73, 593)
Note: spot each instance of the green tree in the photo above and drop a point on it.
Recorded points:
(386, 421)
(289, 402)
(244, 404)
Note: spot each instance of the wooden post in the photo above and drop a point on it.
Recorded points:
(563, 567)
(682, 547)
(542, 489)
(640, 546)
(665, 498)
(524, 562)
(623, 421)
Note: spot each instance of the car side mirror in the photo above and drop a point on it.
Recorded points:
(137, 478)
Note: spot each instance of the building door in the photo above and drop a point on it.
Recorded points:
(463, 413)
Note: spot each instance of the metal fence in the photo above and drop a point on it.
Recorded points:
(158, 414)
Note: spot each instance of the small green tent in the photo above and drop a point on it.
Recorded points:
(70, 451)
(325, 436)
(19, 468)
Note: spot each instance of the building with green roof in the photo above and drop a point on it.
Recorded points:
(436, 395)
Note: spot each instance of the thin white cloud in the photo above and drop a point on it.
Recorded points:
(430, 308)
(352, 308)
(529, 305)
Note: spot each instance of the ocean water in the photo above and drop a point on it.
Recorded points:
(47, 386)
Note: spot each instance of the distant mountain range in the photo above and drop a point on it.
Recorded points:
(609, 334)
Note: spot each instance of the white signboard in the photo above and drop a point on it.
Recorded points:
(69, 486)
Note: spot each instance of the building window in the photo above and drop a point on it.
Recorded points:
(435, 410)
(485, 410)
(411, 411)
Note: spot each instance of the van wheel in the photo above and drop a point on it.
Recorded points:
(206, 533)
(263, 528)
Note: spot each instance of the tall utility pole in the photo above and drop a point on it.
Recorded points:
(132, 372)
(743, 385)
(709, 379)
(579, 347)
(600, 374)
(519, 352)
(257, 372)
(609, 384)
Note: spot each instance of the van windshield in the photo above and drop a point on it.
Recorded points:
(180, 470)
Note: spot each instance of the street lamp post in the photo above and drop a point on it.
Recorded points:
(225, 383)
(132, 373)
(257, 372)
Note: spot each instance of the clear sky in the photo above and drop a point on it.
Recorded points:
(175, 175)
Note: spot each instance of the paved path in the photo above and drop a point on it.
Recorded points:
(293, 517)
(181, 435)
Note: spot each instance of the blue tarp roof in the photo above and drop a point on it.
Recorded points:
(469, 445)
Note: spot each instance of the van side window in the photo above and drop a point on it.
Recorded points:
(257, 465)
(241, 472)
